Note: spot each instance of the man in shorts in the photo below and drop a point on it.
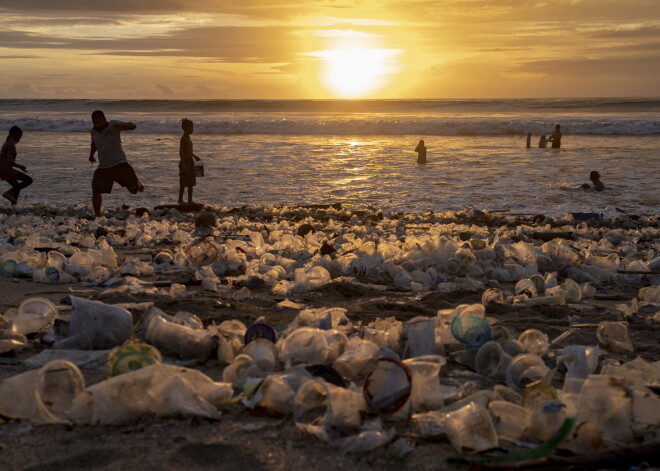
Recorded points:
(113, 165)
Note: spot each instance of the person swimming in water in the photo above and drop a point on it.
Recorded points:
(594, 176)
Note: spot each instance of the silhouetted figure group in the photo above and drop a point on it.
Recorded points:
(554, 139)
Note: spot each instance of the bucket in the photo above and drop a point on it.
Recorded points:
(199, 169)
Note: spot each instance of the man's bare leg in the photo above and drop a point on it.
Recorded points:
(97, 199)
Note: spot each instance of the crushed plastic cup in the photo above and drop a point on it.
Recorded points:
(510, 420)
(649, 294)
(547, 418)
(613, 336)
(471, 331)
(34, 314)
(526, 287)
(358, 357)
(421, 336)
(606, 402)
(471, 427)
(492, 296)
(178, 290)
(240, 369)
(534, 341)
(12, 341)
(321, 404)
(96, 326)
(526, 368)
(42, 396)
(426, 391)
(304, 345)
(581, 360)
(387, 386)
(263, 352)
(156, 390)
(188, 343)
(492, 360)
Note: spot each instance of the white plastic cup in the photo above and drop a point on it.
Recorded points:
(492, 360)
(42, 396)
(319, 403)
(34, 314)
(188, 343)
(426, 392)
(471, 427)
(421, 336)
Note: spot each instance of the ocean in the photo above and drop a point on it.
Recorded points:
(358, 152)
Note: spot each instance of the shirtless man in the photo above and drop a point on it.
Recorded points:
(555, 138)
(113, 165)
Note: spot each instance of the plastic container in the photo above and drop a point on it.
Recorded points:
(526, 368)
(387, 386)
(492, 360)
(319, 403)
(34, 314)
(421, 336)
(613, 336)
(42, 396)
(470, 427)
(471, 331)
(426, 391)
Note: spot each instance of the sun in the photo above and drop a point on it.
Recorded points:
(355, 73)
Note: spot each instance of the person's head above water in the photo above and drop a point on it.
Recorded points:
(557, 127)
(594, 176)
(187, 125)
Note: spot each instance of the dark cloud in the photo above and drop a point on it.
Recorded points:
(258, 8)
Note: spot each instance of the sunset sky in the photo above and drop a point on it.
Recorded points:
(328, 49)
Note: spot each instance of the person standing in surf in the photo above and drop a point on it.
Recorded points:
(17, 180)
(187, 177)
(421, 152)
(555, 138)
(113, 165)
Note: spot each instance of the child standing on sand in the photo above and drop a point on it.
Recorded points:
(17, 180)
(187, 178)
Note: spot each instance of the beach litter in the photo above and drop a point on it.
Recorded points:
(358, 384)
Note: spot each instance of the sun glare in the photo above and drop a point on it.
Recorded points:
(355, 73)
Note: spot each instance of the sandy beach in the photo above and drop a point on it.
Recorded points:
(263, 439)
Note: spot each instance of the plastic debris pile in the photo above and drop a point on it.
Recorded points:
(458, 375)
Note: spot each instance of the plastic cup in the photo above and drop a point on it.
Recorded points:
(471, 331)
(421, 336)
(510, 420)
(580, 360)
(534, 341)
(492, 296)
(387, 386)
(263, 352)
(471, 427)
(492, 360)
(357, 359)
(194, 344)
(42, 396)
(526, 368)
(426, 392)
(304, 345)
(614, 336)
(95, 325)
(319, 403)
(34, 314)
